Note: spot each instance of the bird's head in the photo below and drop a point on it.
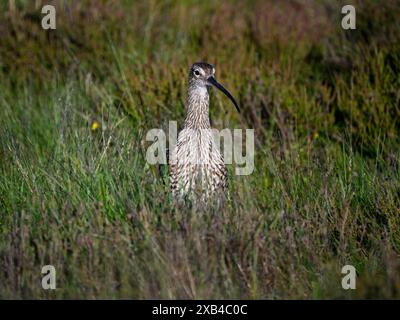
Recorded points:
(202, 74)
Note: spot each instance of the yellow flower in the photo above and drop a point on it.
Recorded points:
(95, 125)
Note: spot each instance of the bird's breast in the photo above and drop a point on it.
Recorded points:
(197, 162)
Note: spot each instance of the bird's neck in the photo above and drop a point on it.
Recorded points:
(197, 108)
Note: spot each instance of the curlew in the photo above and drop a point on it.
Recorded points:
(196, 167)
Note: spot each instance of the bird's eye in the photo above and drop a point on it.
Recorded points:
(196, 73)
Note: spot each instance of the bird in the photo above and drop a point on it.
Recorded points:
(197, 170)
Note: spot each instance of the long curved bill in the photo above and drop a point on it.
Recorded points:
(219, 86)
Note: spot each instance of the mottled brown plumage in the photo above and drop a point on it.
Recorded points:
(196, 167)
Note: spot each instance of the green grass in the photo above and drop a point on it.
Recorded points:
(325, 192)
